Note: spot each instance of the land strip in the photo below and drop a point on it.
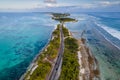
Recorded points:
(54, 74)
(70, 66)
(42, 65)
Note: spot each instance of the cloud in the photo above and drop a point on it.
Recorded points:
(57, 3)
(50, 1)
(98, 4)
(108, 3)
(87, 5)
(50, 5)
(95, 4)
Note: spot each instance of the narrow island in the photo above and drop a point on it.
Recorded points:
(64, 58)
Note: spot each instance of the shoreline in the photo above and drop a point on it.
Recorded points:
(32, 63)
(89, 67)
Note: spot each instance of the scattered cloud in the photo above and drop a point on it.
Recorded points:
(87, 5)
(95, 4)
(99, 4)
(59, 3)
(50, 1)
(108, 3)
(50, 5)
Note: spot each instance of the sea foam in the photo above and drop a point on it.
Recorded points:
(115, 33)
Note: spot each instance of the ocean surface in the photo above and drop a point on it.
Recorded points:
(102, 32)
(22, 36)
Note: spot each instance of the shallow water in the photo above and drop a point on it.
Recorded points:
(99, 40)
(22, 36)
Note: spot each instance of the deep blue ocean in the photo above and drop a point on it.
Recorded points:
(24, 35)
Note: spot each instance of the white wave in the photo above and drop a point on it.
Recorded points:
(112, 31)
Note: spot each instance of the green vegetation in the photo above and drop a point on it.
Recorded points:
(65, 30)
(65, 19)
(41, 71)
(53, 47)
(70, 65)
(47, 56)
(62, 17)
(71, 45)
(58, 15)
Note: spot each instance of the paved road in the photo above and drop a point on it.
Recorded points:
(59, 58)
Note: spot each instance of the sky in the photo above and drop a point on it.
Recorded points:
(31, 4)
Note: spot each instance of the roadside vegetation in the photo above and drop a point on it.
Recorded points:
(43, 64)
(45, 59)
(65, 31)
(70, 65)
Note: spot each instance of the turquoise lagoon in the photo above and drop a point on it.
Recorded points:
(22, 36)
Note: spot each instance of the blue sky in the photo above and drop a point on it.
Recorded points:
(30, 4)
